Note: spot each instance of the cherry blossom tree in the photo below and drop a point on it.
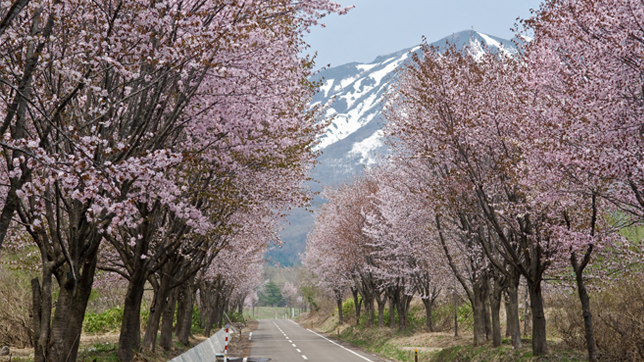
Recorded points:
(108, 110)
(406, 256)
(289, 292)
(584, 66)
(338, 250)
(457, 118)
(330, 274)
(233, 274)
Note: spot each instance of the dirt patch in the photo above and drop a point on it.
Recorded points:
(18, 353)
(432, 340)
(87, 340)
(239, 345)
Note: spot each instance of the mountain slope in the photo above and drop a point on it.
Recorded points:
(354, 138)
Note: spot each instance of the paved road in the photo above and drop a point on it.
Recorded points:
(286, 341)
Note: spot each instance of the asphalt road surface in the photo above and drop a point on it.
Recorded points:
(283, 340)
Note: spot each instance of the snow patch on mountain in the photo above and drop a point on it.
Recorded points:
(355, 90)
(353, 94)
(365, 148)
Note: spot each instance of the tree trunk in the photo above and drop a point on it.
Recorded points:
(382, 301)
(526, 306)
(166, 321)
(181, 307)
(10, 205)
(508, 325)
(370, 307)
(158, 307)
(42, 303)
(512, 310)
(61, 313)
(210, 310)
(183, 333)
(495, 303)
(429, 304)
(478, 309)
(403, 310)
(392, 315)
(77, 311)
(57, 338)
(539, 346)
(130, 337)
(486, 309)
(455, 315)
(211, 318)
(223, 306)
(585, 304)
(357, 302)
(339, 302)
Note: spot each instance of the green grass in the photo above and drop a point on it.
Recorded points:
(378, 340)
(267, 312)
(416, 318)
(385, 342)
(107, 321)
(100, 352)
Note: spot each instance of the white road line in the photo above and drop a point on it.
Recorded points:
(348, 350)
(290, 341)
(294, 346)
(298, 350)
(250, 336)
(303, 356)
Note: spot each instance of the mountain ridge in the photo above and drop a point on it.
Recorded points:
(353, 140)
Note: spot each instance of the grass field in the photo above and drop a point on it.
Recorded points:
(269, 312)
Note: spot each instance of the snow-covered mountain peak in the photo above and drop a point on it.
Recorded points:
(354, 138)
(355, 90)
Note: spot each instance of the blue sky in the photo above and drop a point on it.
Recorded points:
(377, 27)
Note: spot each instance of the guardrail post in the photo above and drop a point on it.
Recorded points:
(415, 355)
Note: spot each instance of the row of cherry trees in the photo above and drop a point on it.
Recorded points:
(367, 241)
(147, 139)
(503, 167)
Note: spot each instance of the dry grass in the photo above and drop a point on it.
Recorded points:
(432, 341)
(15, 299)
(618, 320)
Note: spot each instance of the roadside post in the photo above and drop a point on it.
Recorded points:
(416, 355)
(226, 345)
(338, 332)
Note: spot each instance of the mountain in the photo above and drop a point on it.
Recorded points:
(354, 139)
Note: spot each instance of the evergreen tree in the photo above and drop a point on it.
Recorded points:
(272, 295)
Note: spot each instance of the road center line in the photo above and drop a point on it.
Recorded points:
(303, 356)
